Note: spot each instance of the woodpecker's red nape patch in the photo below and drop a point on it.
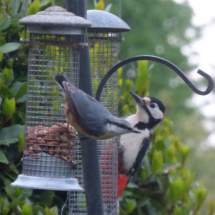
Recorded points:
(122, 182)
(164, 114)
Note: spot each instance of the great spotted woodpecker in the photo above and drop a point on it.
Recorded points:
(150, 112)
(88, 116)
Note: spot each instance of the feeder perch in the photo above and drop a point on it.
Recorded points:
(104, 38)
(49, 156)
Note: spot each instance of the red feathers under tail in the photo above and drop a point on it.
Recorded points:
(122, 182)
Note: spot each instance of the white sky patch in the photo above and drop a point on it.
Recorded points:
(204, 15)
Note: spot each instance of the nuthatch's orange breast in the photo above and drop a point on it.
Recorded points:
(73, 121)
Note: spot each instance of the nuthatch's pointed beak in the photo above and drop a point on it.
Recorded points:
(138, 100)
(135, 131)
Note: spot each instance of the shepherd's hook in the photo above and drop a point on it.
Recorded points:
(162, 61)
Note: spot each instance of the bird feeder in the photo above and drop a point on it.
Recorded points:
(104, 38)
(49, 156)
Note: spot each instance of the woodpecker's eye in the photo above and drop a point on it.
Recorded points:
(152, 105)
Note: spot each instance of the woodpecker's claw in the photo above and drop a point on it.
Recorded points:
(138, 99)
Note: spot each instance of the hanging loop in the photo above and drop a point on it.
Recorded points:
(162, 61)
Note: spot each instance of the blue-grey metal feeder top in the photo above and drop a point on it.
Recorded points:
(55, 20)
(105, 21)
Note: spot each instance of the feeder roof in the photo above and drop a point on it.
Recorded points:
(55, 18)
(102, 20)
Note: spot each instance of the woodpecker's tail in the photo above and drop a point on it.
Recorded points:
(59, 78)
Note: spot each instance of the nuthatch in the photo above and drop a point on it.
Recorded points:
(88, 116)
(150, 112)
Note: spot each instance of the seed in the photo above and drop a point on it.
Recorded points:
(52, 143)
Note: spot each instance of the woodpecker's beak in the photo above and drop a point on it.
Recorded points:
(138, 100)
(135, 131)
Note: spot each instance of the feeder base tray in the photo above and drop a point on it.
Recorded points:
(33, 182)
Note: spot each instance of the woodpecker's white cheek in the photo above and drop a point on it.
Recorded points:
(156, 113)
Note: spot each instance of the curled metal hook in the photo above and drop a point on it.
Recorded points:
(162, 61)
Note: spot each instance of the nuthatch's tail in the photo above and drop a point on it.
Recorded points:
(60, 78)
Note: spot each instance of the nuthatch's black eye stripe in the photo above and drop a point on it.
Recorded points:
(118, 124)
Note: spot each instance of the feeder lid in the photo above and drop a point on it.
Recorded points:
(52, 20)
(103, 20)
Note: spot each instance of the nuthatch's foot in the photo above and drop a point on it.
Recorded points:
(74, 165)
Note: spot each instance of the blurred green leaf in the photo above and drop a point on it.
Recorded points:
(8, 2)
(108, 8)
(211, 208)
(4, 21)
(176, 190)
(21, 142)
(3, 158)
(146, 164)
(142, 81)
(5, 92)
(200, 195)
(4, 206)
(184, 151)
(34, 8)
(157, 162)
(1, 56)
(26, 210)
(54, 210)
(167, 142)
(130, 206)
(9, 107)
(38, 209)
(9, 47)
(15, 7)
(15, 192)
(178, 211)
(100, 5)
(48, 211)
(132, 185)
(10, 134)
(22, 91)
(46, 197)
(45, 3)
(59, 3)
(8, 76)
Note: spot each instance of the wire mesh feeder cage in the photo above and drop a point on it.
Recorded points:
(49, 156)
(104, 37)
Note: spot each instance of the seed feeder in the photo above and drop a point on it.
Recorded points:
(49, 156)
(104, 38)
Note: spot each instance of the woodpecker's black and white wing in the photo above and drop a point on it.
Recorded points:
(141, 154)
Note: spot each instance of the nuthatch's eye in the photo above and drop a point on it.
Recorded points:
(152, 105)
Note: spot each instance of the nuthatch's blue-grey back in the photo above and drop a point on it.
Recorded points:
(88, 116)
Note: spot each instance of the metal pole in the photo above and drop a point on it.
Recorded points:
(90, 159)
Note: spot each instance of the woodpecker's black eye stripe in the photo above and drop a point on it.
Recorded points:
(158, 102)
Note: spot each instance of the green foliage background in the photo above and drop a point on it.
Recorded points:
(164, 184)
